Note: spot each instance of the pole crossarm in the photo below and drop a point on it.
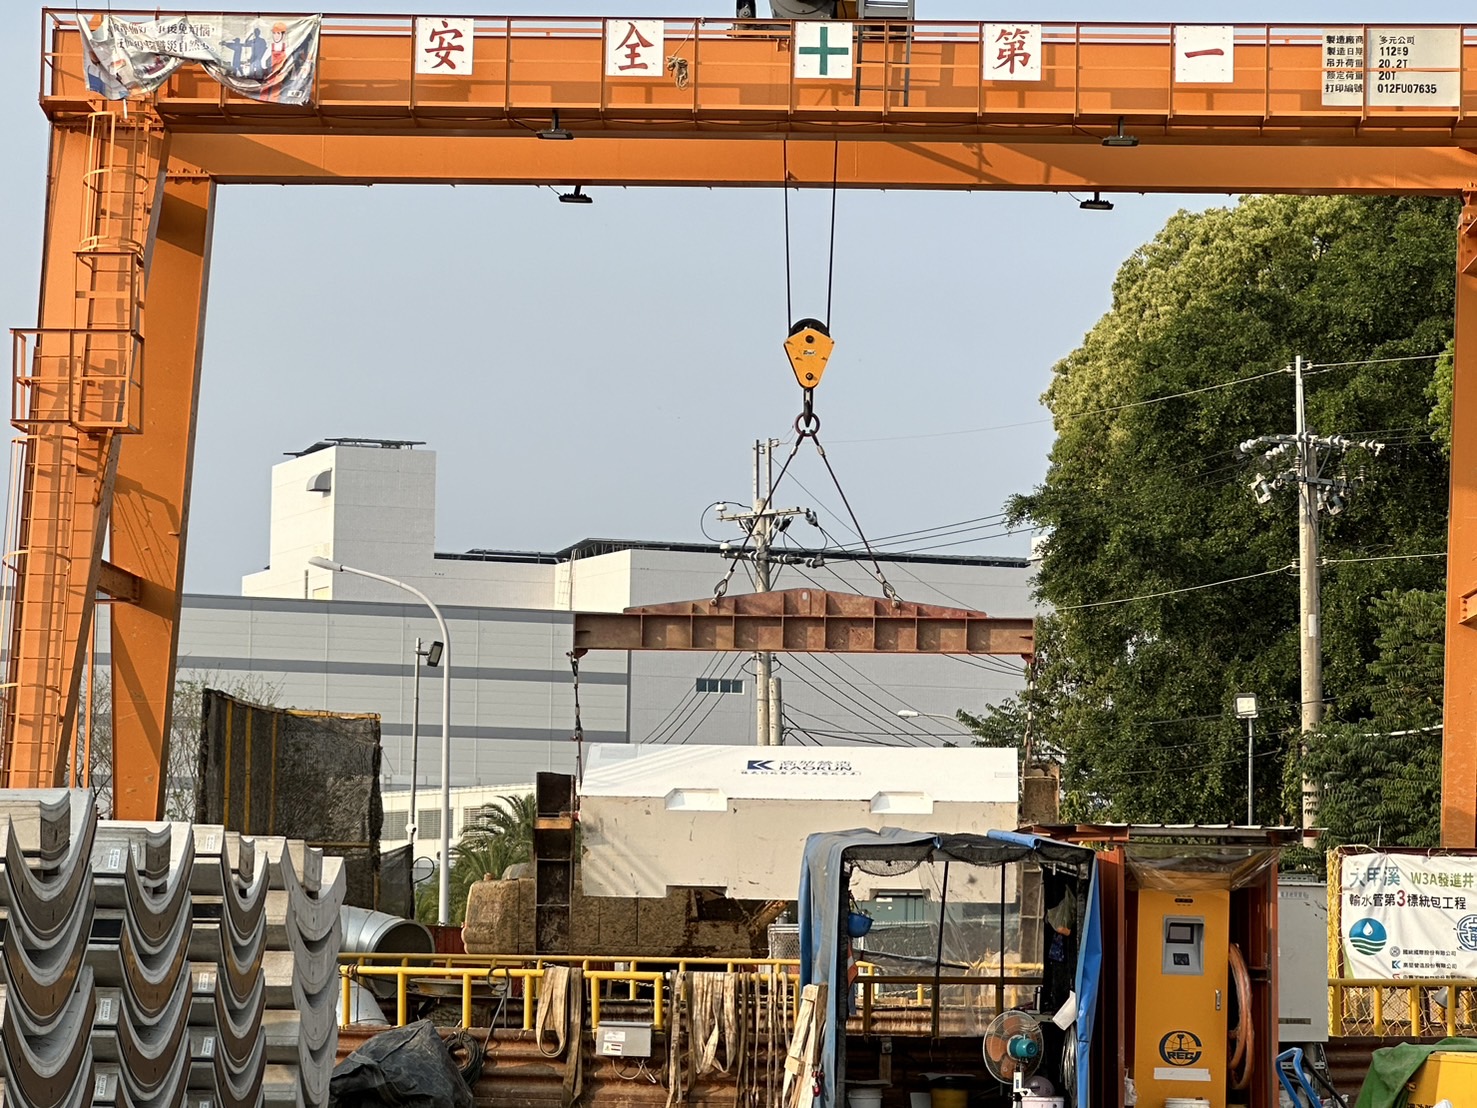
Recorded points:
(804, 621)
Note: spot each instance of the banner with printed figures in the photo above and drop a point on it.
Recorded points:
(260, 57)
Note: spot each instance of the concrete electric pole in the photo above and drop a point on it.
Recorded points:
(1309, 455)
(764, 523)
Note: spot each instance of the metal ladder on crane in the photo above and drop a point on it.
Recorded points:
(884, 27)
(74, 390)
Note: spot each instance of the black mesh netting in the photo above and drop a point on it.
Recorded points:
(880, 868)
(305, 775)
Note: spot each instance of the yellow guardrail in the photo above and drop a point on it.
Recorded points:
(1407, 1007)
(606, 975)
(471, 969)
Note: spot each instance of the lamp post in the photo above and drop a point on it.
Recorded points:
(443, 900)
(1246, 709)
(432, 656)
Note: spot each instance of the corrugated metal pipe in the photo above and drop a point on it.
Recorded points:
(369, 932)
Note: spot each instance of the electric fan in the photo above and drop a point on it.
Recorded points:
(1012, 1049)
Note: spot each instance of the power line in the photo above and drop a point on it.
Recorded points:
(652, 735)
(1324, 367)
(1380, 558)
(717, 699)
(1076, 415)
(1173, 592)
(887, 714)
(820, 688)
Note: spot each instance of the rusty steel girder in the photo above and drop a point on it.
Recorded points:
(803, 621)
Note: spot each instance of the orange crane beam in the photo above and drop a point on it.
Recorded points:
(922, 112)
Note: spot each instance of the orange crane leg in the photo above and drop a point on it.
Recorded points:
(1459, 747)
(152, 495)
(66, 486)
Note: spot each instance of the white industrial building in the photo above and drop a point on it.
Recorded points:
(324, 640)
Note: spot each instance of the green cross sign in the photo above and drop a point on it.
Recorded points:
(825, 50)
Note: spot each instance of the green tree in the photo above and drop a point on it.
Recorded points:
(500, 836)
(1381, 776)
(1145, 497)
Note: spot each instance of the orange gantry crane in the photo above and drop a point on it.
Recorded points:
(105, 385)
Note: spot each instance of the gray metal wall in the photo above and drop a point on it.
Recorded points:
(512, 706)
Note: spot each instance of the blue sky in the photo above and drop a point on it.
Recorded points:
(604, 370)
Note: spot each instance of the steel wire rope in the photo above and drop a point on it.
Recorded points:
(722, 586)
(785, 192)
(887, 590)
(831, 264)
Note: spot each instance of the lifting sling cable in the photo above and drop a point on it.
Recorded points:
(809, 346)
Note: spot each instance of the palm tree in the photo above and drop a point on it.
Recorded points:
(499, 836)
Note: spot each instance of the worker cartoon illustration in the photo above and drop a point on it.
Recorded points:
(279, 51)
(248, 55)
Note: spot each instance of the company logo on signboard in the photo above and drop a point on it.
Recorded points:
(1180, 1048)
(802, 767)
(1466, 932)
(1367, 936)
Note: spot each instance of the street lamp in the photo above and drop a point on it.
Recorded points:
(1246, 709)
(443, 902)
(432, 656)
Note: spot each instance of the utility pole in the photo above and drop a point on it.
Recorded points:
(763, 523)
(1310, 455)
(1310, 597)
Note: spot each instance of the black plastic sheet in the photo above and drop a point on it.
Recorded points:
(407, 1067)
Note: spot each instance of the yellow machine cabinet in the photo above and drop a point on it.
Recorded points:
(1447, 1075)
(1180, 1007)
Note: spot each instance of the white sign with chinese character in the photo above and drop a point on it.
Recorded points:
(1204, 54)
(1408, 915)
(443, 46)
(1415, 67)
(823, 50)
(1343, 67)
(633, 48)
(1012, 51)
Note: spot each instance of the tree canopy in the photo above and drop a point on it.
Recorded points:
(1171, 589)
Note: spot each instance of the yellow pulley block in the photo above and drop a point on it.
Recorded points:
(809, 348)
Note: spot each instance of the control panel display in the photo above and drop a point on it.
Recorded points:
(1184, 946)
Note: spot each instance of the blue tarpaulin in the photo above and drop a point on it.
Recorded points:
(824, 901)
